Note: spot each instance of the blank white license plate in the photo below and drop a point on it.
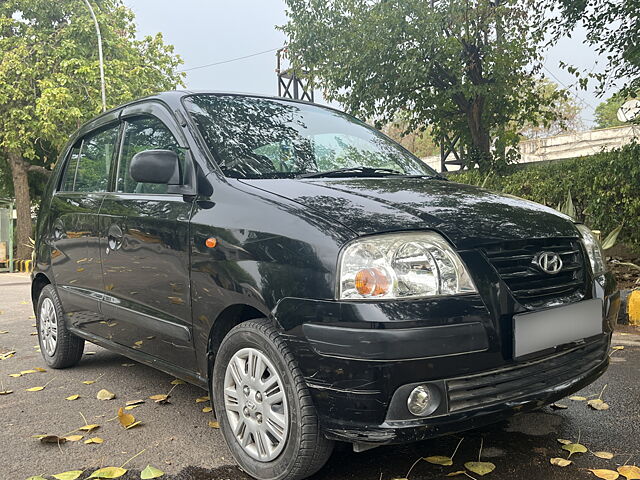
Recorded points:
(556, 326)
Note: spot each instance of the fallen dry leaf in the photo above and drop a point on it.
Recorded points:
(177, 381)
(125, 419)
(161, 399)
(558, 406)
(133, 402)
(560, 462)
(455, 474)
(604, 473)
(35, 389)
(109, 472)
(71, 475)
(207, 409)
(26, 372)
(574, 448)
(564, 441)
(72, 397)
(577, 398)
(89, 428)
(439, 460)
(150, 472)
(598, 404)
(618, 347)
(105, 395)
(52, 439)
(480, 468)
(605, 455)
(202, 399)
(128, 364)
(74, 438)
(15, 375)
(214, 424)
(89, 382)
(2, 332)
(5, 392)
(38, 369)
(630, 472)
(93, 440)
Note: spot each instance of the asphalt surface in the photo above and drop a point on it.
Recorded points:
(176, 438)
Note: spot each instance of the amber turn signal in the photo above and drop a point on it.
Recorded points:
(371, 282)
(210, 242)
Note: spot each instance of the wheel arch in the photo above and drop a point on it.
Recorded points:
(40, 280)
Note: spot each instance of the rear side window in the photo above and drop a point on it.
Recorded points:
(88, 166)
(140, 134)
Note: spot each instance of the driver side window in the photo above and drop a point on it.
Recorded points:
(140, 134)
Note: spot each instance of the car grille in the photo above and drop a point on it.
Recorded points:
(514, 263)
(498, 386)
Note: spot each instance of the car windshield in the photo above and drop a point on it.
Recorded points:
(254, 137)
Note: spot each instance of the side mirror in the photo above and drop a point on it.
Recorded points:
(156, 166)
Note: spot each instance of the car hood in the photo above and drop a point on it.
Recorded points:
(465, 214)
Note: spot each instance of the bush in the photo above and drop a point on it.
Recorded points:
(605, 187)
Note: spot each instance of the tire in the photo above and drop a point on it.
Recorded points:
(303, 448)
(66, 350)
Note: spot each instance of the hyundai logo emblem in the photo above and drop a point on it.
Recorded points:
(548, 262)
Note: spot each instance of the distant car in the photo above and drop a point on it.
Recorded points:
(319, 280)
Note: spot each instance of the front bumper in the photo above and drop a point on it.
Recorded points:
(359, 358)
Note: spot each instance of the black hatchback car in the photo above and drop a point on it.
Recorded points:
(320, 281)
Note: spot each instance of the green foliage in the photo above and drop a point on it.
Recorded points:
(604, 188)
(613, 28)
(459, 66)
(606, 113)
(49, 77)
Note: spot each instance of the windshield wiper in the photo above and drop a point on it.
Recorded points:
(353, 171)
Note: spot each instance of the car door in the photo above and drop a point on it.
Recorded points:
(145, 247)
(74, 229)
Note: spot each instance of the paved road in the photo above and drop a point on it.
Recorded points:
(176, 438)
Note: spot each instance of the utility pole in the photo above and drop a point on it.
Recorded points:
(100, 59)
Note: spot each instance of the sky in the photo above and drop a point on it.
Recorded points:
(211, 31)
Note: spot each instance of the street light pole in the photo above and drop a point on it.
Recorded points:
(101, 60)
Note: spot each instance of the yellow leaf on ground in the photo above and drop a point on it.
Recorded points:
(2, 332)
(125, 419)
(71, 475)
(207, 409)
(89, 428)
(15, 375)
(455, 474)
(150, 472)
(162, 398)
(202, 399)
(133, 402)
(38, 369)
(577, 398)
(558, 406)
(618, 347)
(630, 472)
(605, 455)
(34, 389)
(480, 468)
(134, 424)
(89, 382)
(5, 392)
(74, 438)
(598, 404)
(109, 472)
(574, 448)
(177, 381)
(36, 477)
(131, 407)
(72, 397)
(25, 372)
(564, 441)
(439, 460)
(560, 462)
(128, 364)
(105, 395)
(604, 473)
(214, 424)
(93, 440)
(33, 333)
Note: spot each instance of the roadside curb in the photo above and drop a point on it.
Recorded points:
(629, 307)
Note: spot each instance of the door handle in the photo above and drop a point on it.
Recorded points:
(114, 237)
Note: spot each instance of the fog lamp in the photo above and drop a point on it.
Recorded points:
(423, 400)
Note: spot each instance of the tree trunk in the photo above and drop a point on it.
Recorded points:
(19, 168)
(480, 137)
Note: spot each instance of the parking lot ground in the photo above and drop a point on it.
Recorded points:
(176, 438)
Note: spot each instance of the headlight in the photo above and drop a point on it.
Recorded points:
(594, 251)
(401, 265)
